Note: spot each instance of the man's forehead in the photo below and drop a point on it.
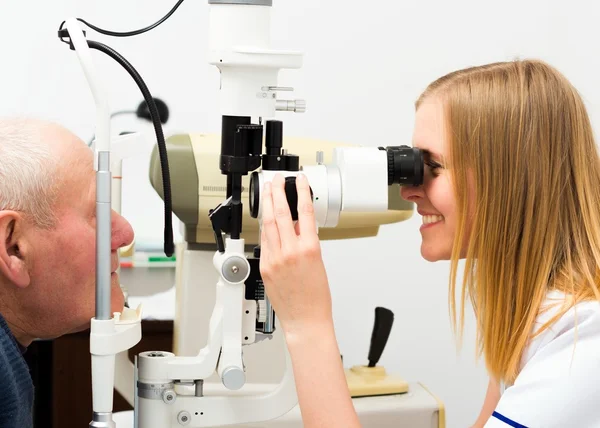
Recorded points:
(75, 158)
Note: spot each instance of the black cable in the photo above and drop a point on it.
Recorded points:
(169, 246)
(128, 33)
(162, 149)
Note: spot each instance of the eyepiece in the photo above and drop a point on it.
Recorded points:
(405, 165)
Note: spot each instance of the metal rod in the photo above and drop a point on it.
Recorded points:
(269, 317)
(103, 237)
(102, 420)
(200, 388)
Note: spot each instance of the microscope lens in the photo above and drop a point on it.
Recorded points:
(405, 166)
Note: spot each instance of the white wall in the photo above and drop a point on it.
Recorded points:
(364, 67)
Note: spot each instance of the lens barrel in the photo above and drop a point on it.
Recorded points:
(405, 165)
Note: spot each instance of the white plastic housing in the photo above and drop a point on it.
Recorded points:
(223, 350)
(364, 173)
(108, 338)
(355, 181)
(213, 411)
(123, 147)
(326, 185)
(89, 69)
(232, 296)
(239, 45)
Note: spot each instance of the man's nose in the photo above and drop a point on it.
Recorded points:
(122, 232)
(411, 193)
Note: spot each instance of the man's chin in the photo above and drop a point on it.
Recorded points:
(80, 328)
(117, 298)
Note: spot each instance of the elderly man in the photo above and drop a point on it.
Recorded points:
(47, 260)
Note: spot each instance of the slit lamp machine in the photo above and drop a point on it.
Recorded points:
(213, 184)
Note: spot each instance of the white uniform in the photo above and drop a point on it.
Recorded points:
(559, 383)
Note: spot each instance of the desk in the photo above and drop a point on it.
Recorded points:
(417, 408)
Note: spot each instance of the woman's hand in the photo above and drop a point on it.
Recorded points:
(296, 283)
(290, 262)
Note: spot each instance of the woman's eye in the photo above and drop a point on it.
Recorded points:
(434, 167)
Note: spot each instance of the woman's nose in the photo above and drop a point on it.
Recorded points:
(411, 193)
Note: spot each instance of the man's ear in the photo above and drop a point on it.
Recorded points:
(14, 249)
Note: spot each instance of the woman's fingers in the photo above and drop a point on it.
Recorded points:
(282, 213)
(306, 213)
(269, 225)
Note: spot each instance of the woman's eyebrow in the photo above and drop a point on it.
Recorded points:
(430, 154)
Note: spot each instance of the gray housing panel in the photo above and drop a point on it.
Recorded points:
(250, 2)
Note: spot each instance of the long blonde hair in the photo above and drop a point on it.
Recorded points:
(520, 134)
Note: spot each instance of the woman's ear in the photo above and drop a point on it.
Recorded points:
(14, 251)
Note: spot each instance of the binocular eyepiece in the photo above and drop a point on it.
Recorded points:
(405, 165)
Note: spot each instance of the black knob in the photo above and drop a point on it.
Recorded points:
(384, 318)
(274, 137)
(143, 111)
(291, 192)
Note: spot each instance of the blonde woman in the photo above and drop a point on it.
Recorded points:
(512, 186)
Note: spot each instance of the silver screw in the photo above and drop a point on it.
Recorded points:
(169, 396)
(235, 269)
(184, 418)
(320, 158)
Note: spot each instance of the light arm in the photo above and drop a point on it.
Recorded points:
(492, 397)
(99, 93)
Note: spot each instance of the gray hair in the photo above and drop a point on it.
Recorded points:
(28, 171)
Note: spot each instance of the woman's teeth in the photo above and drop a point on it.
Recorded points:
(427, 219)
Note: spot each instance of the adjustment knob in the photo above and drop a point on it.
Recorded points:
(291, 192)
(233, 378)
(320, 158)
(297, 106)
(300, 106)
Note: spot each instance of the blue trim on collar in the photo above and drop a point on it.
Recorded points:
(507, 421)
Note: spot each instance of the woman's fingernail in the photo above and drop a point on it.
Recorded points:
(301, 177)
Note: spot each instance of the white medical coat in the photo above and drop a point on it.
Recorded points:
(559, 383)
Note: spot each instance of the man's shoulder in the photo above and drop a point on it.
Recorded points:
(10, 356)
(16, 386)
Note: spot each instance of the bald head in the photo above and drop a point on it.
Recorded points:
(33, 155)
(48, 260)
